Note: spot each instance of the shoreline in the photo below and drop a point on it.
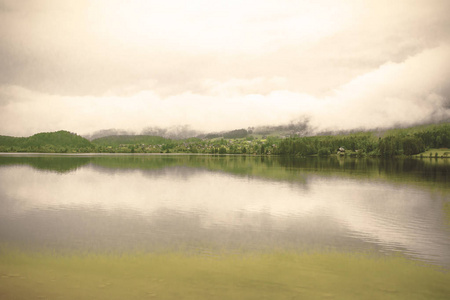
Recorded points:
(352, 155)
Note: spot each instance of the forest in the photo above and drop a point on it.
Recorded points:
(388, 143)
(47, 142)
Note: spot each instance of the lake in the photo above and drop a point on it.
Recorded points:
(206, 207)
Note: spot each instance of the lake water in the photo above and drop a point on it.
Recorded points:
(208, 204)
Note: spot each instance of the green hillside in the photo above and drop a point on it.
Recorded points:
(117, 140)
(395, 142)
(49, 142)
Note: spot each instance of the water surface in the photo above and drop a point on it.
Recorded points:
(119, 203)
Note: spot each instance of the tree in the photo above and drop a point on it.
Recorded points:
(222, 150)
(438, 142)
(324, 152)
(412, 145)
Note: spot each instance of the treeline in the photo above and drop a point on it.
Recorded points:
(410, 141)
(326, 145)
(233, 134)
(117, 140)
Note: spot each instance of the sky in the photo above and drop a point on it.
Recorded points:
(86, 66)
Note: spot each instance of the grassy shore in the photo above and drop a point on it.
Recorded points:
(330, 275)
(444, 152)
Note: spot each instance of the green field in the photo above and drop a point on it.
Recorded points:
(324, 275)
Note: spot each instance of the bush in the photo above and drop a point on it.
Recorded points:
(324, 152)
(412, 145)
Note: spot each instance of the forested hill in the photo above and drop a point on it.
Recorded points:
(117, 140)
(60, 141)
(434, 139)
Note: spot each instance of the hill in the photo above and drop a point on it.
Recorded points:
(49, 142)
(117, 140)
(387, 143)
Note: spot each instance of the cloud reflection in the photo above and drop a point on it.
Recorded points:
(227, 210)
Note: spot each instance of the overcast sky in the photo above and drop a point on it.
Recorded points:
(85, 66)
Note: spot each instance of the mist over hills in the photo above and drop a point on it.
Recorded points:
(299, 128)
(292, 139)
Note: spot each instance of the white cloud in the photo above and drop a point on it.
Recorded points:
(94, 47)
(396, 93)
(90, 65)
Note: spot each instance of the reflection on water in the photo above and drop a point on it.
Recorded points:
(227, 203)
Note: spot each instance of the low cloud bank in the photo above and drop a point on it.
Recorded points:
(396, 94)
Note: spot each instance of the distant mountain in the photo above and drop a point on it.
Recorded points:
(179, 132)
(233, 134)
(299, 128)
(59, 141)
(116, 140)
(107, 132)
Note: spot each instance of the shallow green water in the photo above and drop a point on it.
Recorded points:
(101, 207)
(176, 275)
